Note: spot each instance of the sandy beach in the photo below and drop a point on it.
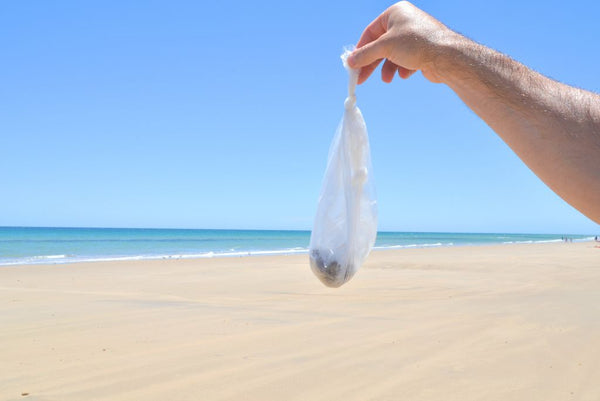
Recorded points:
(512, 322)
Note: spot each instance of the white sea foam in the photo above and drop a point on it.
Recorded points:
(64, 259)
(539, 241)
(437, 244)
(49, 257)
(38, 259)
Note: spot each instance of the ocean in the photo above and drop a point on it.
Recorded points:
(55, 245)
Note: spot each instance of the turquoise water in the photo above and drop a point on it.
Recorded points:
(28, 245)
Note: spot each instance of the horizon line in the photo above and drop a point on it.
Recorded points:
(276, 229)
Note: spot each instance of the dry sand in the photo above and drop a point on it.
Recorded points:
(514, 322)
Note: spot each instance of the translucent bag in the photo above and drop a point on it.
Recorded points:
(346, 221)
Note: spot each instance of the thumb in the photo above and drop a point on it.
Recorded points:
(367, 54)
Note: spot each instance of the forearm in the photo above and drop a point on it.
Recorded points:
(552, 127)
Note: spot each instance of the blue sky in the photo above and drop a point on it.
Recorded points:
(219, 115)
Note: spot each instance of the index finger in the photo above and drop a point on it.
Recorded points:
(376, 28)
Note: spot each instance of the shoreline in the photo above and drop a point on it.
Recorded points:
(53, 259)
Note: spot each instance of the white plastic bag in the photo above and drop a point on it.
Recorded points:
(346, 222)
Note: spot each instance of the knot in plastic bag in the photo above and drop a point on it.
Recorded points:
(350, 102)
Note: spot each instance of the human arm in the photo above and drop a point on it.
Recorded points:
(552, 127)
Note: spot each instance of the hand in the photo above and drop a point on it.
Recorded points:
(407, 37)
